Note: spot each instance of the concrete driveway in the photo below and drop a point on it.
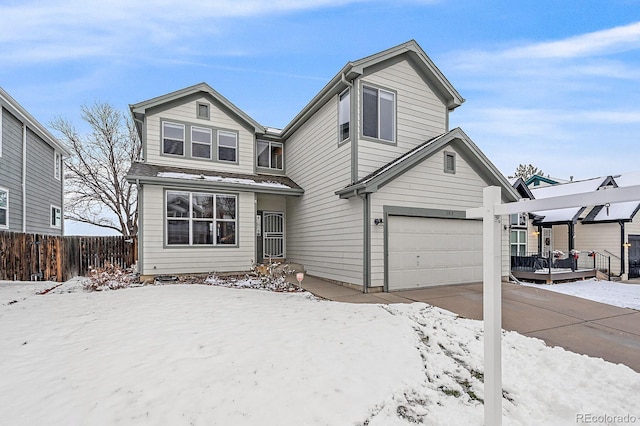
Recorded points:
(578, 325)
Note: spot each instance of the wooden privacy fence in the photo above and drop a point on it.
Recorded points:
(27, 257)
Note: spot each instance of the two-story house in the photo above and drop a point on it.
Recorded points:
(31, 172)
(366, 186)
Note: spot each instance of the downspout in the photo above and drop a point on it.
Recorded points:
(366, 243)
(24, 177)
(622, 268)
(140, 231)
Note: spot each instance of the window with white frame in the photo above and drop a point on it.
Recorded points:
(344, 115)
(172, 138)
(4, 208)
(57, 165)
(227, 146)
(270, 154)
(378, 113)
(198, 218)
(518, 239)
(56, 217)
(201, 142)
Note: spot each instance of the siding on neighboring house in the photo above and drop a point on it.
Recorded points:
(560, 238)
(420, 114)
(43, 189)
(11, 167)
(159, 259)
(427, 186)
(603, 238)
(324, 232)
(185, 112)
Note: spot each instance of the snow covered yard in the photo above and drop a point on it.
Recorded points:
(208, 355)
(609, 292)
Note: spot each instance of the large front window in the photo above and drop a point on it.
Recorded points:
(378, 113)
(195, 218)
(270, 154)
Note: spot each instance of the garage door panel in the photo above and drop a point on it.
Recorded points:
(425, 252)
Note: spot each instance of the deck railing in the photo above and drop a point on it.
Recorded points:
(536, 265)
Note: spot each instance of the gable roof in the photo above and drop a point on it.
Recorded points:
(522, 188)
(23, 115)
(138, 110)
(356, 68)
(536, 179)
(372, 182)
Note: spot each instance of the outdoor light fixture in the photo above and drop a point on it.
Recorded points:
(377, 221)
(627, 244)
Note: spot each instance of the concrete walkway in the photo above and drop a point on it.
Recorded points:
(578, 325)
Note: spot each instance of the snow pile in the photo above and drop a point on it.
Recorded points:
(611, 293)
(197, 354)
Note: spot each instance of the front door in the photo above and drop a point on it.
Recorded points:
(547, 241)
(273, 235)
(634, 256)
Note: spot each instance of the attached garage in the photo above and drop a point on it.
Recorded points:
(425, 252)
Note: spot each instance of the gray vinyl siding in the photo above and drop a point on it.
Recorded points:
(11, 167)
(162, 260)
(420, 114)
(43, 189)
(324, 232)
(427, 186)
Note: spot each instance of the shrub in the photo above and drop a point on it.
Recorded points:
(110, 277)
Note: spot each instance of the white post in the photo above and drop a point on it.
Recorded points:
(492, 307)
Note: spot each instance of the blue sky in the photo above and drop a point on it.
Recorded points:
(552, 83)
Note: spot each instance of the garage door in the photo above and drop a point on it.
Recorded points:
(426, 252)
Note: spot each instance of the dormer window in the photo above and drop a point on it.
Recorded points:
(270, 155)
(203, 110)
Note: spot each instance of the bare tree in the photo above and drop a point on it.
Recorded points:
(95, 185)
(526, 171)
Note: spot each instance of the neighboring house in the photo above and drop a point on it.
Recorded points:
(612, 231)
(31, 172)
(366, 186)
(538, 180)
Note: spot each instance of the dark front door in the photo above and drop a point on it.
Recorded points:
(634, 256)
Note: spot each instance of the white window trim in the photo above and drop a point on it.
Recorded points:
(184, 137)
(191, 219)
(269, 143)
(393, 118)
(6, 225)
(518, 243)
(0, 131)
(57, 165)
(51, 217)
(340, 138)
(226, 133)
(203, 130)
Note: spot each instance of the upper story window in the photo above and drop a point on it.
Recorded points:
(57, 165)
(378, 113)
(4, 208)
(344, 115)
(227, 146)
(518, 219)
(270, 155)
(202, 110)
(172, 138)
(201, 142)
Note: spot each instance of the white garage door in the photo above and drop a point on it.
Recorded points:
(425, 252)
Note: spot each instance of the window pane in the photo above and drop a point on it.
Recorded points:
(227, 154)
(3, 199)
(202, 206)
(201, 135)
(344, 114)
(173, 147)
(276, 156)
(173, 131)
(177, 232)
(386, 116)
(177, 204)
(203, 111)
(226, 233)
(202, 232)
(370, 112)
(263, 154)
(226, 207)
(201, 151)
(3, 217)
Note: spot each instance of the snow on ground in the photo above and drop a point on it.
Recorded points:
(207, 355)
(611, 293)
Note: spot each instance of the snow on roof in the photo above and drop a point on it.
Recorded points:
(189, 176)
(559, 215)
(560, 189)
(627, 179)
(617, 211)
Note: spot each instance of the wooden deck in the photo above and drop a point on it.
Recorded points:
(554, 274)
